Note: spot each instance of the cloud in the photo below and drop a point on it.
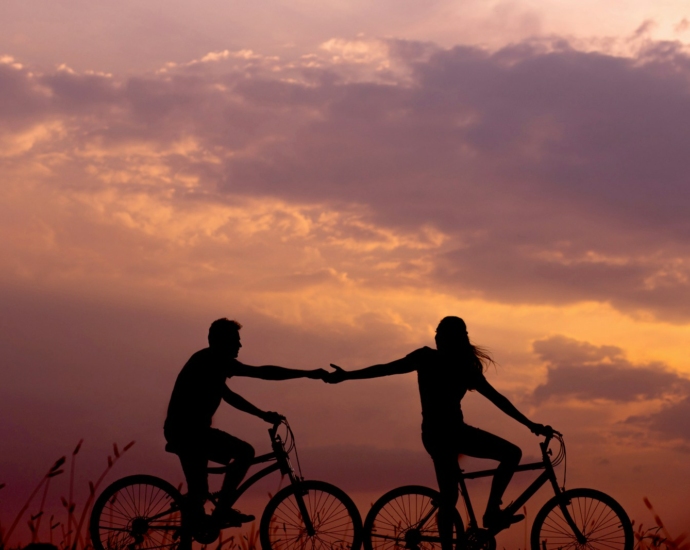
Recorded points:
(537, 174)
(636, 403)
(582, 371)
(671, 422)
(329, 201)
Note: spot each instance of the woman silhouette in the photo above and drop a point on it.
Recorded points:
(444, 375)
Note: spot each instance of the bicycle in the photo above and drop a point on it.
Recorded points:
(575, 518)
(142, 512)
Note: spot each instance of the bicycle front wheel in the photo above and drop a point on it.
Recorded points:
(137, 513)
(311, 514)
(406, 517)
(602, 523)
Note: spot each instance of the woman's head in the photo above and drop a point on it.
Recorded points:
(452, 337)
(451, 332)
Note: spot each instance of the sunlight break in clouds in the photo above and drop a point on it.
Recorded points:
(419, 182)
(449, 160)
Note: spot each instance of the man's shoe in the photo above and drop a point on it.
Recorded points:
(497, 521)
(231, 517)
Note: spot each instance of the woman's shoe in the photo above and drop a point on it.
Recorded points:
(499, 520)
(231, 517)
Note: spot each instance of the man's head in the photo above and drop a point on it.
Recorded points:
(224, 336)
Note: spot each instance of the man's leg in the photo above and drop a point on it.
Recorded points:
(194, 465)
(481, 444)
(224, 448)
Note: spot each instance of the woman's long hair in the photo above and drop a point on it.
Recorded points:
(453, 330)
(482, 358)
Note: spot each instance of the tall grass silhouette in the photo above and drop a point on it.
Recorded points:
(71, 529)
(657, 537)
(67, 534)
(70, 537)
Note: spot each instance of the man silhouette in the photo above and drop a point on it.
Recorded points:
(198, 391)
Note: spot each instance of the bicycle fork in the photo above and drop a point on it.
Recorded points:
(563, 502)
(287, 469)
(308, 523)
(563, 505)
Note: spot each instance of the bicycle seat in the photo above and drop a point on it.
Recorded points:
(170, 448)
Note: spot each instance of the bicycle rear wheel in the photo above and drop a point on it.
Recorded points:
(333, 516)
(406, 517)
(602, 522)
(137, 513)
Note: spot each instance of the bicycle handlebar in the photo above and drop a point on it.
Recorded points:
(273, 429)
(284, 446)
(560, 455)
(551, 434)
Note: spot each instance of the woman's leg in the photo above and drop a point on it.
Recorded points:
(447, 472)
(480, 444)
(442, 447)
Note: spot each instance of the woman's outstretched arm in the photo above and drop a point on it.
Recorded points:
(399, 366)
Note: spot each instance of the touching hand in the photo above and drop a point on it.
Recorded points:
(318, 374)
(335, 377)
(272, 417)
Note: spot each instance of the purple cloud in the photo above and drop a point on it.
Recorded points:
(671, 422)
(556, 175)
(587, 372)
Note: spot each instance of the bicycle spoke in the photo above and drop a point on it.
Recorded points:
(136, 513)
(284, 527)
(600, 520)
(406, 517)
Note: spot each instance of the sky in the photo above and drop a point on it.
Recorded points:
(338, 176)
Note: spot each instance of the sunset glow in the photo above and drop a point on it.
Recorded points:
(338, 177)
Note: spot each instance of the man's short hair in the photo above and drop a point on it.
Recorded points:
(220, 328)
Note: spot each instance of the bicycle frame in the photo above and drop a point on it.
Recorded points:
(547, 475)
(281, 462)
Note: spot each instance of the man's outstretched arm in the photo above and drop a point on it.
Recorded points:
(271, 372)
(240, 403)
